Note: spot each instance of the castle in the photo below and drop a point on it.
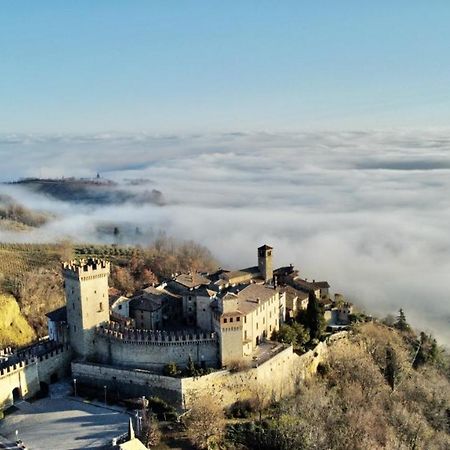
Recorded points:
(214, 320)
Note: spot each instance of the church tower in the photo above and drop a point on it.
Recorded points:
(87, 301)
(265, 265)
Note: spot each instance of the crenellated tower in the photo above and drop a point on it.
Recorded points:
(87, 302)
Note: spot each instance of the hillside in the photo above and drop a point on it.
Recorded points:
(16, 217)
(14, 329)
(379, 389)
(96, 191)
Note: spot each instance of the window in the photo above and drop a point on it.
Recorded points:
(225, 320)
(74, 328)
(238, 319)
(100, 306)
(73, 305)
(120, 306)
(257, 326)
(231, 319)
(245, 335)
(245, 319)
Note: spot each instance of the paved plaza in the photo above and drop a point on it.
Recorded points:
(62, 424)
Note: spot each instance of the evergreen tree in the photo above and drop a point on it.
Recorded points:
(314, 319)
(401, 323)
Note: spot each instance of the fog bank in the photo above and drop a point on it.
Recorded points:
(368, 211)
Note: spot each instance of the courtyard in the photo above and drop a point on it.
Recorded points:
(62, 424)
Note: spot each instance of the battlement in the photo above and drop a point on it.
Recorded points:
(32, 355)
(118, 332)
(80, 268)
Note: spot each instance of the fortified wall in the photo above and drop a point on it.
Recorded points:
(279, 377)
(129, 347)
(24, 374)
(276, 378)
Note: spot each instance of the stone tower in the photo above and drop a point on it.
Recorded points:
(87, 301)
(265, 262)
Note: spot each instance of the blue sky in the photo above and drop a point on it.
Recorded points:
(195, 66)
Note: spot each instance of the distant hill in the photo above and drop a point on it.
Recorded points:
(96, 191)
(16, 217)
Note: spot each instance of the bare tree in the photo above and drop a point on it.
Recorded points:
(206, 423)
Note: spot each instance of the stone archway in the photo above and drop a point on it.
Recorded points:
(16, 394)
(53, 377)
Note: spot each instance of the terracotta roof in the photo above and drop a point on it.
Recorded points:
(247, 299)
(291, 292)
(151, 299)
(191, 280)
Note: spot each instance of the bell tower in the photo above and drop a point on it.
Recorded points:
(265, 265)
(87, 301)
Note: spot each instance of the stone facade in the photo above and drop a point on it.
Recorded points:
(87, 302)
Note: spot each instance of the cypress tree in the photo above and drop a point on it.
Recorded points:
(315, 320)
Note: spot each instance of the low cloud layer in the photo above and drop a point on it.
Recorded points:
(368, 211)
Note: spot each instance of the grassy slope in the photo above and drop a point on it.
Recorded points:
(14, 329)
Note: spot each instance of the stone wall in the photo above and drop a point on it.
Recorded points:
(276, 378)
(153, 350)
(129, 382)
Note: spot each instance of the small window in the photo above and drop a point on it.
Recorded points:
(73, 305)
(245, 319)
(120, 306)
(238, 319)
(225, 320)
(100, 306)
(75, 328)
(231, 319)
(257, 326)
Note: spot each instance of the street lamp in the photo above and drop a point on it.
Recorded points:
(104, 387)
(138, 423)
(75, 386)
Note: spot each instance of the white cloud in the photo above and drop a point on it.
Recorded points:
(369, 211)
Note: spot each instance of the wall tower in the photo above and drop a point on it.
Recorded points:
(265, 265)
(87, 301)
